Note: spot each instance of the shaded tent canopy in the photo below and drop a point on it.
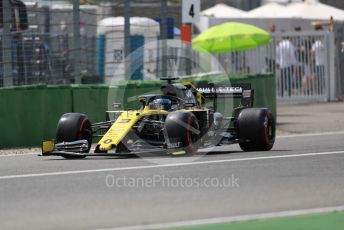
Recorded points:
(223, 11)
(313, 9)
(310, 9)
(270, 10)
(280, 1)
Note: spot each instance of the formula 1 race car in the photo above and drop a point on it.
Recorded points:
(176, 121)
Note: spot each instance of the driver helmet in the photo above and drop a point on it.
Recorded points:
(162, 103)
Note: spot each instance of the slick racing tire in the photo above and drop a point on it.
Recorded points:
(74, 127)
(183, 133)
(256, 129)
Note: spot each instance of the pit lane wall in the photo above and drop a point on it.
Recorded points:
(29, 114)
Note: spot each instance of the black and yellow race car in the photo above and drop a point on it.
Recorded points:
(176, 121)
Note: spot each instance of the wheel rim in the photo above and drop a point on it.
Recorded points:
(269, 128)
(85, 131)
(191, 135)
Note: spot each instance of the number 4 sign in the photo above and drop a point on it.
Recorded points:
(190, 11)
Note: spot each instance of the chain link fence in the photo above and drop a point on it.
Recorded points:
(40, 48)
(45, 51)
(64, 41)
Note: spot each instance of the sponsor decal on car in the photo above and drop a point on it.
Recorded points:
(174, 145)
(209, 91)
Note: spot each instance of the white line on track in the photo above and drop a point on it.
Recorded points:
(232, 219)
(311, 134)
(167, 165)
(19, 154)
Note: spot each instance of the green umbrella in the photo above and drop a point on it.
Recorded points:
(230, 36)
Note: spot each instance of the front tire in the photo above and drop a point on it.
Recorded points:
(256, 129)
(182, 128)
(74, 127)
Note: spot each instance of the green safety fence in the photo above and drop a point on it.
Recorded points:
(90, 100)
(30, 114)
(264, 90)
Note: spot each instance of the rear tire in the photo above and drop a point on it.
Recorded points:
(74, 127)
(256, 129)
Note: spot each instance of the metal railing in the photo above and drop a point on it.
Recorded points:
(304, 71)
(303, 63)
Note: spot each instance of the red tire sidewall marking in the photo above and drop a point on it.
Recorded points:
(188, 135)
(82, 126)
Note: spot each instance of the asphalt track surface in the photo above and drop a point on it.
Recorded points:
(301, 172)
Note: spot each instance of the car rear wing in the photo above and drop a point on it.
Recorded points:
(241, 91)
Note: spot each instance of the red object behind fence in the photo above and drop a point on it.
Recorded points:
(185, 33)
